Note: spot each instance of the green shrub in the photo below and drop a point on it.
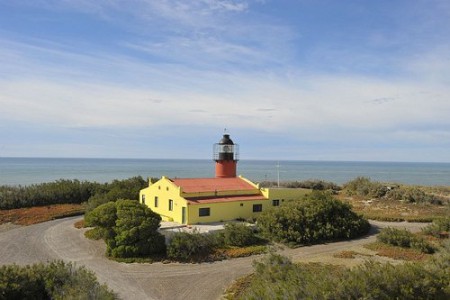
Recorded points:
(239, 234)
(439, 228)
(128, 228)
(363, 186)
(56, 280)
(70, 191)
(313, 184)
(276, 277)
(413, 195)
(195, 246)
(396, 237)
(317, 218)
(405, 239)
(94, 234)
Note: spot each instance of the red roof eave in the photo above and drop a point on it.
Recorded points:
(203, 200)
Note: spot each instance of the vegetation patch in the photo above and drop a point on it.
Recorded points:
(276, 277)
(440, 228)
(79, 224)
(395, 202)
(405, 239)
(236, 240)
(70, 191)
(193, 247)
(315, 219)
(39, 214)
(235, 252)
(94, 234)
(311, 184)
(346, 254)
(56, 280)
(395, 211)
(128, 228)
(397, 253)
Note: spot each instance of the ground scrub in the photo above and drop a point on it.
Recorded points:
(70, 191)
(405, 239)
(128, 228)
(440, 228)
(56, 280)
(313, 184)
(58, 192)
(315, 219)
(192, 247)
(239, 235)
(117, 189)
(276, 277)
(235, 240)
(364, 187)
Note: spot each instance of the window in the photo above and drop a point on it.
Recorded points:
(143, 199)
(156, 201)
(204, 212)
(257, 207)
(276, 202)
(170, 204)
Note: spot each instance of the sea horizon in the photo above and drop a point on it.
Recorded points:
(31, 170)
(249, 159)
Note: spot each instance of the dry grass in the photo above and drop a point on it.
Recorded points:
(241, 252)
(397, 253)
(79, 224)
(39, 214)
(350, 254)
(238, 287)
(396, 211)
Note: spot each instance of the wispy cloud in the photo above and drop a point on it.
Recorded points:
(208, 64)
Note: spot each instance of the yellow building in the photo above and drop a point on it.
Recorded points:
(205, 200)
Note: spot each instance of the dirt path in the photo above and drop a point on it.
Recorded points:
(60, 240)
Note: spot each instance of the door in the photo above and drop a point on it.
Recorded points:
(183, 215)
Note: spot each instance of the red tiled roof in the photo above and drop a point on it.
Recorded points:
(193, 185)
(194, 201)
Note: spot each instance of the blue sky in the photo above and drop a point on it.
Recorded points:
(304, 79)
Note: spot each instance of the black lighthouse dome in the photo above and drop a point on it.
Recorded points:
(226, 140)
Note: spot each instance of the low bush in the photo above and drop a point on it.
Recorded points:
(276, 277)
(239, 234)
(405, 239)
(439, 228)
(363, 186)
(195, 246)
(56, 280)
(317, 218)
(414, 195)
(65, 191)
(313, 184)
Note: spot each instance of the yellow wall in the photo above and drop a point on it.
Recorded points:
(165, 190)
(226, 211)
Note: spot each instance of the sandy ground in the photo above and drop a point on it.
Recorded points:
(60, 240)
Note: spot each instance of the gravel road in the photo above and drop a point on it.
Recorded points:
(59, 239)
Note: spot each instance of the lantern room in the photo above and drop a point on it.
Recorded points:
(226, 155)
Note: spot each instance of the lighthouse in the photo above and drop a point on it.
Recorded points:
(226, 155)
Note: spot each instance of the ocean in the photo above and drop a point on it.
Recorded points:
(25, 171)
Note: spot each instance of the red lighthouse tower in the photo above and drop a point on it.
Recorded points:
(226, 155)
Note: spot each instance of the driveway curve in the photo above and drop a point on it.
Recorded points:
(60, 240)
